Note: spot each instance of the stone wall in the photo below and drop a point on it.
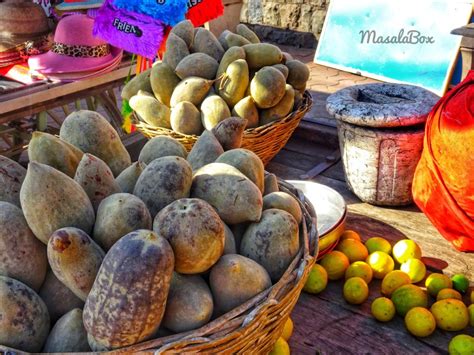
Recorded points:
(297, 15)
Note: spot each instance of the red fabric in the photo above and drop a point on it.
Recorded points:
(201, 12)
(162, 50)
(443, 186)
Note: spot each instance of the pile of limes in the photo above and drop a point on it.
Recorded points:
(360, 262)
(281, 346)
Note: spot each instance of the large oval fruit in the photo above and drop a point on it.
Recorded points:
(231, 55)
(247, 109)
(163, 181)
(68, 334)
(298, 74)
(195, 232)
(12, 175)
(128, 178)
(57, 297)
(128, 299)
(234, 196)
(159, 147)
(234, 280)
(235, 82)
(176, 50)
(97, 180)
(206, 42)
(285, 202)
(192, 89)
(119, 215)
(273, 242)
(184, 30)
(281, 109)
(51, 200)
(189, 305)
(92, 133)
(259, 55)
(24, 321)
(247, 162)
(267, 87)
(151, 110)
(213, 110)
(138, 82)
(205, 151)
(75, 259)
(230, 132)
(163, 81)
(47, 149)
(186, 119)
(197, 64)
(23, 255)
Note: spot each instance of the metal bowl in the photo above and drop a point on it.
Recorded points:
(331, 212)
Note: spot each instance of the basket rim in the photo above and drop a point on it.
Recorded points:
(305, 106)
(248, 312)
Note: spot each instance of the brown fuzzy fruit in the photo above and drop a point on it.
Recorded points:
(195, 232)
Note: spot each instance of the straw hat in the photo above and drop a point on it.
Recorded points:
(75, 49)
(21, 22)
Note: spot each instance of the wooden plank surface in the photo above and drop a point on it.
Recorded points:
(53, 91)
(325, 323)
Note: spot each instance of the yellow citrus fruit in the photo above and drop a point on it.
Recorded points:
(287, 329)
(436, 282)
(461, 344)
(281, 347)
(349, 234)
(447, 293)
(383, 309)
(472, 296)
(460, 283)
(470, 309)
(335, 264)
(360, 269)
(393, 280)
(381, 264)
(355, 290)
(406, 249)
(420, 322)
(317, 280)
(450, 314)
(353, 249)
(378, 244)
(407, 297)
(415, 269)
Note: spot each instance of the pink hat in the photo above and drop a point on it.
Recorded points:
(75, 49)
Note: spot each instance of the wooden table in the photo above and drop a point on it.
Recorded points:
(325, 323)
(38, 101)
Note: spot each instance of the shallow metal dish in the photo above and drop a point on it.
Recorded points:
(331, 212)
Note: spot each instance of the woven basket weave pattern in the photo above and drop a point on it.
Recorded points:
(266, 141)
(254, 326)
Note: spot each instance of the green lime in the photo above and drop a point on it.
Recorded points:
(461, 344)
(317, 280)
(460, 283)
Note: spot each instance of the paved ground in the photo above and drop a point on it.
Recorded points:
(323, 82)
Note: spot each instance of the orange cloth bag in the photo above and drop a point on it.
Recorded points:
(443, 186)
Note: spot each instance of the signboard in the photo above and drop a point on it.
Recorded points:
(396, 41)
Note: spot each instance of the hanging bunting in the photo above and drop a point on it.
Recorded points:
(169, 12)
(202, 11)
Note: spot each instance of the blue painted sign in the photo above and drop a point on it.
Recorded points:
(397, 41)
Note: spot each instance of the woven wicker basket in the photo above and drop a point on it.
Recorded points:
(254, 326)
(266, 141)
